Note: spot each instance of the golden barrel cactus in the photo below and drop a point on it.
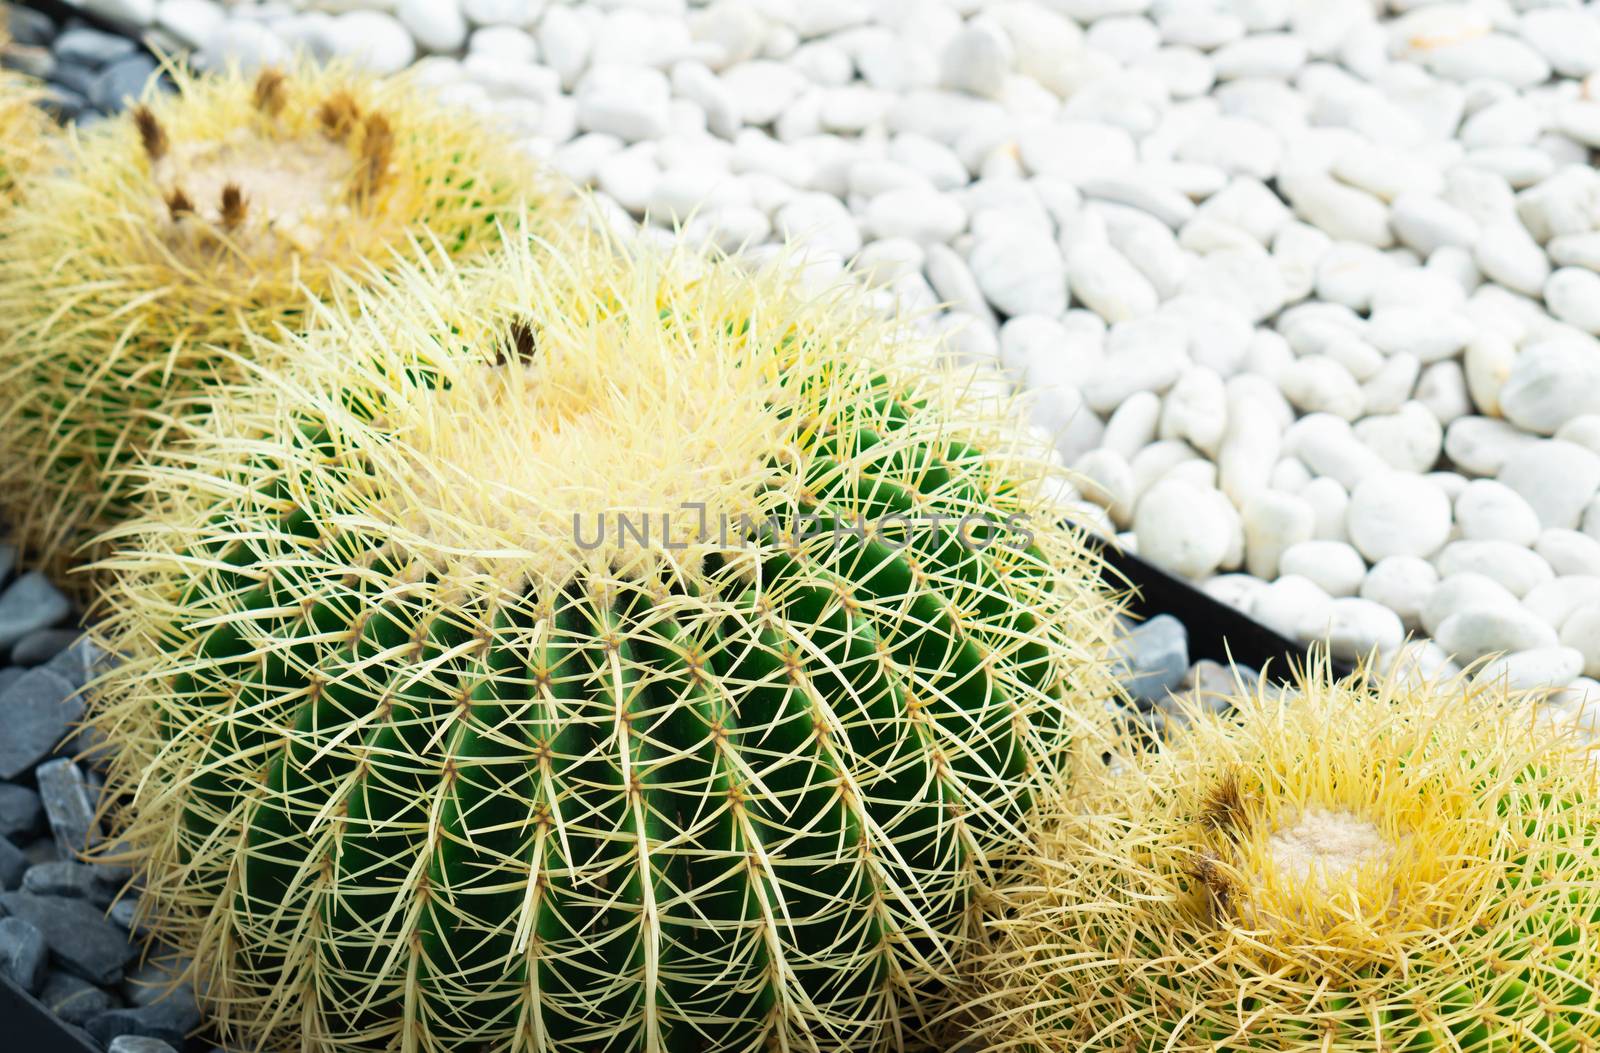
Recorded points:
(136, 273)
(1372, 865)
(591, 652)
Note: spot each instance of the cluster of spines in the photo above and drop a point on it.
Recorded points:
(1145, 919)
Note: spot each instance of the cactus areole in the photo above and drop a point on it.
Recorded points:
(451, 729)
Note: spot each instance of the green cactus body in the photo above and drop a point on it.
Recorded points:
(732, 794)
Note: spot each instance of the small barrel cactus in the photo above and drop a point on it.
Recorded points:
(595, 653)
(1377, 864)
(136, 271)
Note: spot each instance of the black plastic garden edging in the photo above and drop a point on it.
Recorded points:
(1216, 631)
(28, 1025)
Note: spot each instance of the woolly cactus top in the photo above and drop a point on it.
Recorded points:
(421, 746)
(1372, 865)
(194, 221)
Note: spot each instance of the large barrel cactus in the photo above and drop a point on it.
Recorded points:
(1374, 865)
(604, 654)
(134, 273)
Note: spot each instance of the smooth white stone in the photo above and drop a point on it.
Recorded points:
(1577, 250)
(437, 25)
(929, 158)
(1293, 606)
(1335, 566)
(1573, 295)
(1045, 353)
(1342, 212)
(1568, 38)
(1103, 280)
(1181, 529)
(1329, 447)
(248, 44)
(1250, 446)
(564, 44)
(1402, 584)
(1390, 387)
(977, 59)
(1482, 445)
(730, 228)
(1318, 384)
(1540, 669)
(1409, 439)
(1105, 478)
(1555, 600)
(1581, 631)
(1426, 223)
(952, 279)
(1021, 272)
(922, 215)
(191, 21)
(1557, 478)
(1289, 476)
(1519, 569)
(1330, 504)
(696, 83)
(1442, 388)
(1492, 56)
(1060, 412)
(1144, 190)
(1478, 631)
(762, 89)
(1429, 334)
(733, 28)
(1076, 150)
(1218, 335)
(1569, 551)
(374, 40)
(1132, 426)
(1348, 273)
(1488, 362)
(882, 262)
(1196, 410)
(1273, 523)
(1567, 203)
(1583, 429)
(1487, 510)
(1459, 593)
(1397, 514)
(521, 13)
(1245, 277)
(1551, 383)
(1161, 460)
(1357, 628)
(1121, 375)
(629, 102)
(1506, 253)
(822, 220)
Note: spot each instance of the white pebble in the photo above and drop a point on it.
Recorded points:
(1557, 478)
(374, 40)
(1335, 566)
(1402, 584)
(1569, 551)
(922, 215)
(1021, 272)
(1357, 628)
(1181, 529)
(1581, 631)
(1478, 631)
(1519, 569)
(1539, 669)
(1293, 606)
(1397, 514)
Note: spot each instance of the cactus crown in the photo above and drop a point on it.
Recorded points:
(195, 219)
(1369, 866)
(412, 759)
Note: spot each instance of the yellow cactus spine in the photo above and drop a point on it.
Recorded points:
(181, 230)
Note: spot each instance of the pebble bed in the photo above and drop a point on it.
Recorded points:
(1306, 292)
